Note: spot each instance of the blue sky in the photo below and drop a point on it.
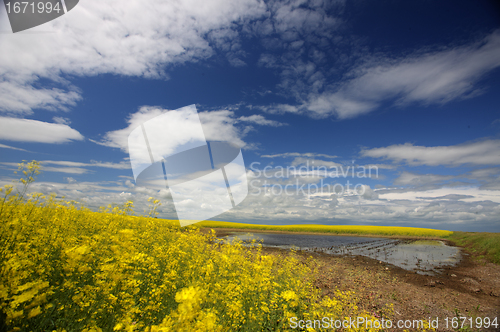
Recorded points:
(410, 88)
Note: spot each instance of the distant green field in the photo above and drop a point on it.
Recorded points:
(480, 245)
(354, 230)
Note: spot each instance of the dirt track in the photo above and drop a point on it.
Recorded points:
(470, 289)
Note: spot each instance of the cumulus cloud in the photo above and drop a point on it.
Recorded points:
(24, 130)
(448, 206)
(219, 125)
(70, 179)
(368, 193)
(102, 193)
(485, 152)
(132, 39)
(429, 200)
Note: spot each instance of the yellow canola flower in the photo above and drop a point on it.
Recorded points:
(289, 295)
(34, 312)
(129, 273)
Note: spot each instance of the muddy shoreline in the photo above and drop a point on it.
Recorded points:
(469, 289)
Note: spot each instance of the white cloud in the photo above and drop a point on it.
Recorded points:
(133, 39)
(427, 200)
(429, 208)
(73, 167)
(486, 152)
(279, 108)
(467, 194)
(436, 208)
(310, 163)
(70, 179)
(488, 177)
(220, 125)
(260, 120)
(407, 178)
(24, 130)
(369, 193)
(297, 37)
(267, 60)
(12, 148)
(425, 77)
(61, 120)
(21, 97)
(296, 154)
(97, 194)
(68, 170)
(432, 77)
(93, 163)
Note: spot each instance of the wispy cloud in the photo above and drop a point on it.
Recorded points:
(73, 167)
(20, 97)
(260, 120)
(61, 120)
(24, 130)
(93, 163)
(12, 148)
(485, 152)
(296, 154)
(413, 179)
(68, 170)
(426, 77)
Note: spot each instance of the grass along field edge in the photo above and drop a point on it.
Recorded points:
(479, 245)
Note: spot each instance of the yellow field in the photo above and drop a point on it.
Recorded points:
(360, 230)
(66, 268)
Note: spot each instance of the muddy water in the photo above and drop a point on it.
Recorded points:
(422, 256)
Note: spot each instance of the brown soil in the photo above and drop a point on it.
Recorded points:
(470, 289)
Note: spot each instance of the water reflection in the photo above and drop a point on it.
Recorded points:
(422, 256)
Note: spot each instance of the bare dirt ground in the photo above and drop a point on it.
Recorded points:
(471, 289)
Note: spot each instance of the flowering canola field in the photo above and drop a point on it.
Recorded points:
(66, 268)
(334, 229)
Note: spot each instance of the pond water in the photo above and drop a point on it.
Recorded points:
(422, 256)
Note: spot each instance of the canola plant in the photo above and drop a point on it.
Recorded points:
(66, 268)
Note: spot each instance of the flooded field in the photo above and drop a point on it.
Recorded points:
(422, 256)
